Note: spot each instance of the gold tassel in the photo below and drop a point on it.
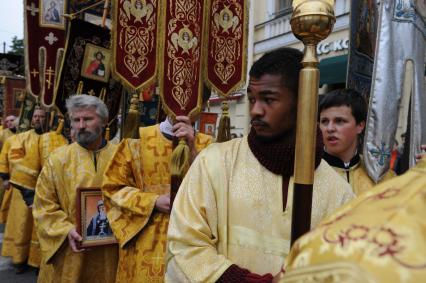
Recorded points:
(107, 133)
(79, 88)
(60, 126)
(224, 130)
(130, 127)
(52, 118)
(179, 164)
(102, 95)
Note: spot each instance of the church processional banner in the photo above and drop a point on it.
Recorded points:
(227, 45)
(13, 95)
(86, 67)
(363, 33)
(44, 41)
(182, 53)
(401, 40)
(135, 45)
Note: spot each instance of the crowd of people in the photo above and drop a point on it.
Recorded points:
(231, 218)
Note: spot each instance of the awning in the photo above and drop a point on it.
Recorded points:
(333, 69)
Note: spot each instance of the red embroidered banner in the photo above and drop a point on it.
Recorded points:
(226, 66)
(180, 70)
(135, 42)
(44, 42)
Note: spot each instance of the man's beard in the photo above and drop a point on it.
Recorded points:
(38, 128)
(86, 138)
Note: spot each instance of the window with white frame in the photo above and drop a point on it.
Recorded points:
(282, 6)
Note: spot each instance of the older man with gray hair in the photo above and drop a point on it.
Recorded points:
(78, 165)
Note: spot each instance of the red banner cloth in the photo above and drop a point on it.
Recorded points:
(226, 66)
(182, 50)
(14, 94)
(135, 42)
(44, 42)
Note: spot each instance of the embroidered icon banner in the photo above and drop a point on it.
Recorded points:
(44, 42)
(226, 59)
(86, 67)
(182, 47)
(135, 46)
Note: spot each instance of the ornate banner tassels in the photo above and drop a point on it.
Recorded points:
(225, 65)
(180, 77)
(224, 130)
(131, 125)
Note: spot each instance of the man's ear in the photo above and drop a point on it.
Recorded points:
(360, 127)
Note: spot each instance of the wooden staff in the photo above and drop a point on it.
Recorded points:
(311, 22)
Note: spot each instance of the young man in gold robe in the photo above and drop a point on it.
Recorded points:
(136, 189)
(342, 115)
(78, 165)
(378, 237)
(23, 155)
(231, 218)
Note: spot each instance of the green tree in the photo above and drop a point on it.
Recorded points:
(17, 46)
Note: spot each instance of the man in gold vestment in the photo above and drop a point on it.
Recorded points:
(78, 165)
(231, 218)
(379, 237)
(5, 192)
(24, 154)
(342, 115)
(136, 189)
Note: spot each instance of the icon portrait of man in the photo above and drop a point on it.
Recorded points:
(51, 14)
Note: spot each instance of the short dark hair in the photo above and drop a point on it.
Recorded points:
(284, 61)
(345, 97)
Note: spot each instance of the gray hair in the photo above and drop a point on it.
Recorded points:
(75, 102)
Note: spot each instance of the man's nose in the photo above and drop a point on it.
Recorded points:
(257, 110)
(331, 127)
(82, 124)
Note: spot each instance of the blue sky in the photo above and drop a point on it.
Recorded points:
(11, 21)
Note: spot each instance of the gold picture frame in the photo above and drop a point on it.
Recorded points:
(96, 63)
(51, 13)
(92, 224)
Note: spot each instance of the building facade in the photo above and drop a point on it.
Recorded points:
(270, 29)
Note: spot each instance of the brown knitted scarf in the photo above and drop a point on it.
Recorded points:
(278, 157)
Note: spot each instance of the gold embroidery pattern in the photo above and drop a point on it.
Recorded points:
(227, 31)
(136, 39)
(183, 48)
(381, 242)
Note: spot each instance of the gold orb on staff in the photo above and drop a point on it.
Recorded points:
(311, 22)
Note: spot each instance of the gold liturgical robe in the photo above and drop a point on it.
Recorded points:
(4, 170)
(67, 169)
(26, 168)
(138, 174)
(4, 135)
(358, 177)
(27, 165)
(17, 238)
(48, 143)
(382, 232)
(229, 210)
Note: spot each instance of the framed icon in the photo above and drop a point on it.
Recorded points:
(92, 222)
(96, 63)
(208, 123)
(51, 14)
